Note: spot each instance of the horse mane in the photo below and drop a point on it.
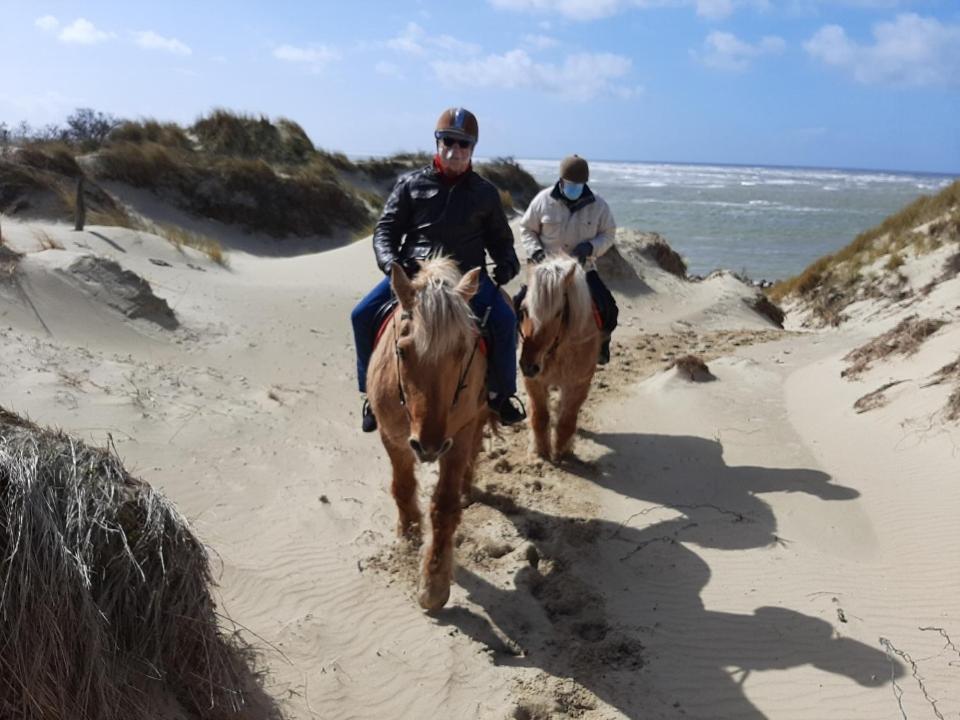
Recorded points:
(547, 293)
(443, 320)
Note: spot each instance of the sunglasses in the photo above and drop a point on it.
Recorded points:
(450, 142)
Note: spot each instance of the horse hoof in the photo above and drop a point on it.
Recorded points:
(409, 532)
(466, 499)
(434, 594)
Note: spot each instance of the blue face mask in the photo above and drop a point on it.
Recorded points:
(571, 190)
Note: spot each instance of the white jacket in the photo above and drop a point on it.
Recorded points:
(549, 224)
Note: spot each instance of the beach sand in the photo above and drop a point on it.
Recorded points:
(748, 547)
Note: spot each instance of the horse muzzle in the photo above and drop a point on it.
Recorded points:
(529, 369)
(428, 454)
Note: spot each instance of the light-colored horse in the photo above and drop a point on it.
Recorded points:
(426, 385)
(561, 342)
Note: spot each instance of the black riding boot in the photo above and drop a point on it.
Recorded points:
(369, 420)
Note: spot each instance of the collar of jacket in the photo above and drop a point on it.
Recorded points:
(449, 179)
(586, 197)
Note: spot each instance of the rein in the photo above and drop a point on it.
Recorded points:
(405, 315)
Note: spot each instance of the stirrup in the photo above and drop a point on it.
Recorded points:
(604, 357)
(369, 419)
(505, 409)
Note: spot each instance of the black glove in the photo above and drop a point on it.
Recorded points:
(411, 267)
(583, 250)
(538, 256)
(502, 274)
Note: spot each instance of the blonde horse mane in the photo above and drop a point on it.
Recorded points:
(443, 320)
(548, 292)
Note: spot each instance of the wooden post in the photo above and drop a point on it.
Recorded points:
(80, 215)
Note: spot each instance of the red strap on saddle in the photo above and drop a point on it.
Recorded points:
(596, 316)
(383, 325)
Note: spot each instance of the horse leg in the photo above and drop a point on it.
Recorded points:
(571, 399)
(539, 395)
(466, 485)
(404, 489)
(437, 570)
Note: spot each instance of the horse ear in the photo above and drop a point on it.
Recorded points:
(569, 276)
(402, 287)
(469, 283)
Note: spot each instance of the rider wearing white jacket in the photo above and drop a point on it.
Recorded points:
(569, 218)
(554, 224)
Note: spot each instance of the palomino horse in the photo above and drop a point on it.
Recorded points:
(561, 341)
(426, 385)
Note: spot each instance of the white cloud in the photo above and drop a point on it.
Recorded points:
(581, 77)
(714, 9)
(596, 9)
(409, 41)
(725, 51)
(47, 23)
(317, 57)
(83, 32)
(539, 42)
(152, 41)
(575, 9)
(414, 40)
(910, 50)
(451, 44)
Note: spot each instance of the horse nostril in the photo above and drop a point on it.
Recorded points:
(417, 447)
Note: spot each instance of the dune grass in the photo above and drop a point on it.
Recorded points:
(227, 133)
(149, 130)
(893, 235)
(106, 595)
(904, 339)
(511, 180)
(180, 238)
(45, 240)
(263, 174)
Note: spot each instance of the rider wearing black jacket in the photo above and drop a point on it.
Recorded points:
(426, 215)
(447, 209)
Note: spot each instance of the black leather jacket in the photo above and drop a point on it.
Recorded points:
(424, 217)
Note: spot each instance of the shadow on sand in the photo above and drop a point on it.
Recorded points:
(617, 607)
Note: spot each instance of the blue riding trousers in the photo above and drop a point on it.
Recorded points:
(501, 331)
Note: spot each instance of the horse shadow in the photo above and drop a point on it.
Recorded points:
(618, 607)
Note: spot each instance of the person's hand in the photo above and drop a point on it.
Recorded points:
(538, 256)
(583, 250)
(502, 274)
(411, 267)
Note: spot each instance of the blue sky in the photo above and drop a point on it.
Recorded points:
(837, 83)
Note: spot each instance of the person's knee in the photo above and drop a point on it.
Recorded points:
(357, 314)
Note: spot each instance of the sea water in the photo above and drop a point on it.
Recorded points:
(768, 222)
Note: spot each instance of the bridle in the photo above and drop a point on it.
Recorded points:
(465, 370)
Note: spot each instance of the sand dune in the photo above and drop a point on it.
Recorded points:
(750, 547)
